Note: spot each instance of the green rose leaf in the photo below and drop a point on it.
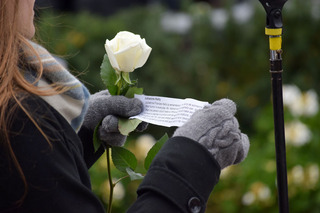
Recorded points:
(134, 175)
(126, 126)
(154, 150)
(118, 77)
(96, 141)
(123, 159)
(126, 77)
(134, 90)
(108, 75)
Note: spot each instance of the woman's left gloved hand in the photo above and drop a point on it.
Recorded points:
(217, 129)
(106, 108)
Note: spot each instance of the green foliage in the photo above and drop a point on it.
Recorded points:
(126, 77)
(133, 175)
(154, 150)
(123, 159)
(128, 125)
(108, 75)
(96, 139)
(134, 90)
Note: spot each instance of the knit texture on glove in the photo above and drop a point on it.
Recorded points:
(108, 109)
(216, 128)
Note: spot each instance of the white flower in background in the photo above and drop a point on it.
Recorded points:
(242, 12)
(225, 173)
(258, 192)
(300, 104)
(143, 144)
(297, 133)
(291, 93)
(264, 193)
(219, 18)
(127, 51)
(248, 198)
(306, 178)
(178, 22)
(118, 191)
(306, 105)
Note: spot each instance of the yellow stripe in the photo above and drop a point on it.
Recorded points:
(273, 32)
(275, 42)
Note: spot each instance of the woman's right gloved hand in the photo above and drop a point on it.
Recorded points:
(216, 128)
(108, 109)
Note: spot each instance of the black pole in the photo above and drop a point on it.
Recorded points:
(273, 9)
(282, 184)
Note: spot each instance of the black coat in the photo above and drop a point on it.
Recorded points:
(180, 178)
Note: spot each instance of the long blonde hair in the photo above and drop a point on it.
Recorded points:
(12, 82)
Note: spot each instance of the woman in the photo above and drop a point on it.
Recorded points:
(47, 119)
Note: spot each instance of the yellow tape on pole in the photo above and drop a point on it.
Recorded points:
(275, 42)
(275, 39)
(273, 32)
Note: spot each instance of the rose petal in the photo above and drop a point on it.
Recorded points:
(126, 39)
(126, 58)
(127, 51)
(112, 58)
(142, 59)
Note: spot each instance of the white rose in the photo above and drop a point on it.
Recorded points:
(127, 51)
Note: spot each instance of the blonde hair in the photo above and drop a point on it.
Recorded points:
(12, 82)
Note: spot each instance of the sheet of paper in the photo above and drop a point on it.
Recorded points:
(167, 112)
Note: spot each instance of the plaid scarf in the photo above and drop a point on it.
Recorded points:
(72, 104)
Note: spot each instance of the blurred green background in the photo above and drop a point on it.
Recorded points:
(207, 53)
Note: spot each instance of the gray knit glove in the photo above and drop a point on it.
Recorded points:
(216, 128)
(106, 108)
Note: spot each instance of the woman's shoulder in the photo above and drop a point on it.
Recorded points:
(34, 114)
(36, 126)
(27, 104)
(34, 107)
